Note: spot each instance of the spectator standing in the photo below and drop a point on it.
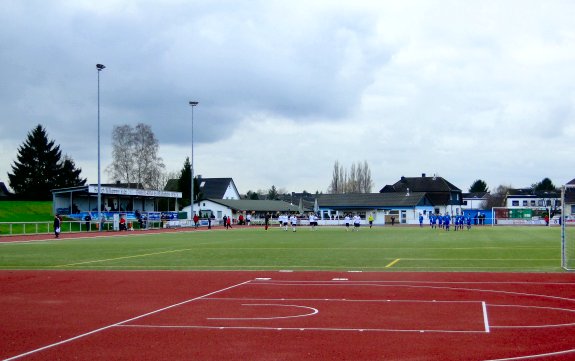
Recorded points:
(88, 219)
(267, 221)
(57, 223)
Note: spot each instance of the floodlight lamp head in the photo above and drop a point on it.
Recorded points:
(194, 103)
(100, 66)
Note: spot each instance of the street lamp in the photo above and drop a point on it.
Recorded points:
(192, 104)
(100, 67)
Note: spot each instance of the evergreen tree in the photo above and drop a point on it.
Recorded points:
(70, 175)
(545, 185)
(185, 186)
(478, 186)
(252, 195)
(39, 168)
(273, 193)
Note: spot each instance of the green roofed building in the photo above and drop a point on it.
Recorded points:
(218, 208)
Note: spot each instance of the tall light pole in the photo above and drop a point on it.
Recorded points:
(100, 67)
(192, 104)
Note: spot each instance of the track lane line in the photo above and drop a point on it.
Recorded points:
(122, 322)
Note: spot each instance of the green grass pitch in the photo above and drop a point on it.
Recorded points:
(489, 249)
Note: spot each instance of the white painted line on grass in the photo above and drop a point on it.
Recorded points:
(121, 323)
(392, 263)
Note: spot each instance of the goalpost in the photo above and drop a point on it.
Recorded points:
(567, 230)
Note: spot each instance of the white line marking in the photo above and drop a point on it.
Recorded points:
(313, 312)
(121, 323)
(485, 319)
(299, 329)
(382, 284)
(534, 356)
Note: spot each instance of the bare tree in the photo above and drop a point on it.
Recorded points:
(356, 180)
(122, 154)
(497, 197)
(135, 156)
(366, 181)
(352, 181)
(336, 180)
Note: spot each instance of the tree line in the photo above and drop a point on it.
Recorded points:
(40, 167)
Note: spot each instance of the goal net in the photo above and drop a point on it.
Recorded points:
(568, 227)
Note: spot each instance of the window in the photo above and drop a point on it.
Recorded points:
(532, 203)
(515, 203)
(524, 203)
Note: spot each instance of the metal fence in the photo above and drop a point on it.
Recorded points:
(47, 227)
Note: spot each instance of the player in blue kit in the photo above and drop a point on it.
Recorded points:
(446, 221)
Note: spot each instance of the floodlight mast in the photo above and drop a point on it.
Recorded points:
(100, 67)
(192, 104)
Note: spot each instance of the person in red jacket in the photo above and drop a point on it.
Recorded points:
(196, 220)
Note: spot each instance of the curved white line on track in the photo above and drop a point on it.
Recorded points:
(313, 312)
(567, 310)
(534, 356)
(478, 290)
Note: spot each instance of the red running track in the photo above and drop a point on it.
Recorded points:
(212, 315)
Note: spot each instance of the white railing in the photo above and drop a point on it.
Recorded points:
(47, 227)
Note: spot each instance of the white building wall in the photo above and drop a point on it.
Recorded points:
(231, 192)
(219, 210)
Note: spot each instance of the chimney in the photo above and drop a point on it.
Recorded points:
(422, 175)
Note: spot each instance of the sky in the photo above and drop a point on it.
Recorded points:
(465, 90)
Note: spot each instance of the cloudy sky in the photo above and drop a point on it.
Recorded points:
(463, 89)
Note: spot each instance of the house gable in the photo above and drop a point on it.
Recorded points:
(438, 190)
(218, 188)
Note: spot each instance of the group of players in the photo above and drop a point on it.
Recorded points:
(444, 221)
(285, 220)
(436, 221)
